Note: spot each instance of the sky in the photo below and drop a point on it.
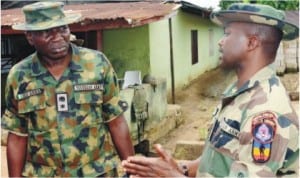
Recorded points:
(206, 3)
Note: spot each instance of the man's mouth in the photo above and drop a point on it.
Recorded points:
(58, 50)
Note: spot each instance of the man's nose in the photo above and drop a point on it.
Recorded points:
(221, 41)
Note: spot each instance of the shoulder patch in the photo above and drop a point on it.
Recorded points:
(263, 131)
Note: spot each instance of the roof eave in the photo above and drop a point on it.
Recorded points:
(192, 8)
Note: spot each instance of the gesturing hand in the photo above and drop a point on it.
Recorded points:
(162, 166)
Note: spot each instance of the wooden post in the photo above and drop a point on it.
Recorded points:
(99, 39)
(172, 62)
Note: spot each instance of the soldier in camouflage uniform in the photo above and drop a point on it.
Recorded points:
(64, 112)
(255, 131)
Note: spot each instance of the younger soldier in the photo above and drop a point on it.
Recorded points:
(255, 131)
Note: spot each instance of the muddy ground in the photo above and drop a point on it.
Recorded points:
(198, 101)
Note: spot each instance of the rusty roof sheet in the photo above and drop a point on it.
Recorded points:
(132, 12)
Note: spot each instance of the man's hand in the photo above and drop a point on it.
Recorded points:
(163, 166)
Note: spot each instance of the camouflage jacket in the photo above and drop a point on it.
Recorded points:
(65, 120)
(254, 132)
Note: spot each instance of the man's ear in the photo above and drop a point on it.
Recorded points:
(28, 36)
(253, 42)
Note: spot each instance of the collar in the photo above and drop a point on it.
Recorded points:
(38, 69)
(262, 75)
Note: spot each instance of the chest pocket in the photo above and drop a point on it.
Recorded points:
(89, 97)
(224, 131)
(89, 105)
(33, 100)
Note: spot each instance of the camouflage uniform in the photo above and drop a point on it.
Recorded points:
(234, 148)
(65, 120)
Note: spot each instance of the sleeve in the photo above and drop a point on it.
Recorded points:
(112, 106)
(264, 147)
(11, 120)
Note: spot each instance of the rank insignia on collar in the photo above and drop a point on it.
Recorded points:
(263, 131)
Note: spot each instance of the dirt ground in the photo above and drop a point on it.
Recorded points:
(198, 101)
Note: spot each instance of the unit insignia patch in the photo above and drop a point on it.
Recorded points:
(263, 131)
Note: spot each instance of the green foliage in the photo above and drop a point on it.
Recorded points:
(223, 4)
(278, 4)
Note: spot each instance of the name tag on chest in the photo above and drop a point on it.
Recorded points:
(88, 87)
(29, 93)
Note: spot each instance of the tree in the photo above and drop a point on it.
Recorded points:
(278, 4)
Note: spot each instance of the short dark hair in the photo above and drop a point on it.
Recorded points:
(269, 36)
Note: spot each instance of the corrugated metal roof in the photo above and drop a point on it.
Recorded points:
(132, 12)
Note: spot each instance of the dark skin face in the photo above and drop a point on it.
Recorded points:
(233, 46)
(51, 44)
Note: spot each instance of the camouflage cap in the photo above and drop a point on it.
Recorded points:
(256, 13)
(45, 15)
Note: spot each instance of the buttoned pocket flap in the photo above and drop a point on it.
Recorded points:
(85, 97)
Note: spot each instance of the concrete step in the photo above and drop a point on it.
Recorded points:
(188, 150)
(157, 129)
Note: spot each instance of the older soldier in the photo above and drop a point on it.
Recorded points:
(255, 130)
(63, 111)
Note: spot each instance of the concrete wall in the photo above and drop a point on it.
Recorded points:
(182, 24)
(156, 104)
(160, 50)
(147, 48)
(127, 49)
(287, 57)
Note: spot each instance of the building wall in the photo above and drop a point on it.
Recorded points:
(183, 23)
(127, 49)
(184, 71)
(147, 48)
(160, 50)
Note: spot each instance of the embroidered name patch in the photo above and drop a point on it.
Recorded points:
(88, 87)
(263, 131)
(230, 130)
(30, 93)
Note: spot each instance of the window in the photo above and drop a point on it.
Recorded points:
(194, 40)
(13, 49)
(6, 52)
(6, 47)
